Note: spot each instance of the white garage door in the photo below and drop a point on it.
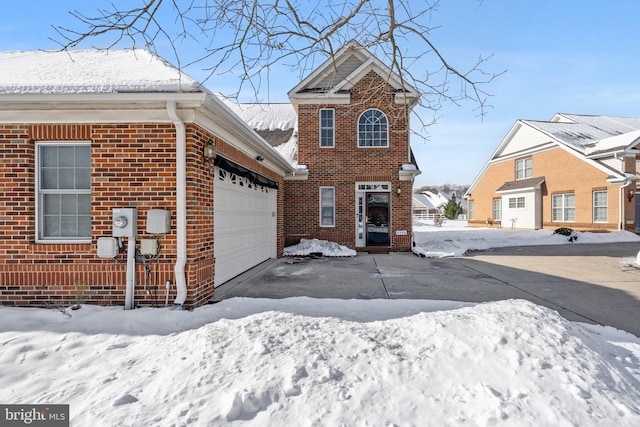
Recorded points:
(245, 224)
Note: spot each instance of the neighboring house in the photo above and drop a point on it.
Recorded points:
(574, 171)
(98, 146)
(87, 133)
(427, 204)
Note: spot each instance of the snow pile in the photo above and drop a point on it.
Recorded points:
(505, 363)
(455, 239)
(314, 246)
(90, 71)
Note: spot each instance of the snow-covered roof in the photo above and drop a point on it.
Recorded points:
(90, 71)
(276, 123)
(431, 200)
(589, 134)
(264, 116)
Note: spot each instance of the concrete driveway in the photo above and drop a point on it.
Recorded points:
(583, 282)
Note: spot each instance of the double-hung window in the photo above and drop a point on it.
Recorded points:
(63, 186)
(600, 206)
(327, 207)
(524, 168)
(563, 207)
(497, 209)
(327, 127)
(373, 129)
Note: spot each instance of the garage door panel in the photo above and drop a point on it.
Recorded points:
(244, 225)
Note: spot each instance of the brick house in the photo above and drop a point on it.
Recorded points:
(349, 141)
(573, 171)
(91, 133)
(101, 146)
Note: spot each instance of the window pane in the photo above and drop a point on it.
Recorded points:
(66, 178)
(49, 156)
(84, 225)
(66, 156)
(51, 204)
(83, 155)
(51, 226)
(69, 204)
(82, 178)
(68, 226)
(48, 178)
(84, 204)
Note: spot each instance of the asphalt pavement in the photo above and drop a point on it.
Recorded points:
(592, 283)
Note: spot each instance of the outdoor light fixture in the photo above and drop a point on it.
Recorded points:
(259, 158)
(399, 191)
(209, 151)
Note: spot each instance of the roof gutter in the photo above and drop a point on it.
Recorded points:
(181, 203)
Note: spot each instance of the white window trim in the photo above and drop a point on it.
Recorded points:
(496, 203)
(38, 209)
(387, 130)
(333, 207)
(523, 168)
(606, 206)
(563, 208)
(517, 198)
(333, 128)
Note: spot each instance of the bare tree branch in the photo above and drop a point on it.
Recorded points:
(248, 38)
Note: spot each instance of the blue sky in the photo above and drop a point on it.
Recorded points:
(571, 56)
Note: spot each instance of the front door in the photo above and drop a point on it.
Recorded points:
(377, 219)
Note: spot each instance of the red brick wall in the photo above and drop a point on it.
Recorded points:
(345, 164)
(132, 165)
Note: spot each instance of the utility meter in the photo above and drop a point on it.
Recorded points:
(125, 222)
(120, 222)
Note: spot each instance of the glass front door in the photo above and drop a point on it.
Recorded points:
(377, 219)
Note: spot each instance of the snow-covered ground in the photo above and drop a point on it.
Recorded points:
(454, 238)
(308, 362)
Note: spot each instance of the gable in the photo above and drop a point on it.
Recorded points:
(332, 81)
(521, 139)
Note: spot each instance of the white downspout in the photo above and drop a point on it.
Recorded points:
(181, 203)
(628, 182)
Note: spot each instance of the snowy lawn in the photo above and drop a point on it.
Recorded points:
(309, 362)
(454, 238)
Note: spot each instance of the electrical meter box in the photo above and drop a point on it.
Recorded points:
(158, 221)
(125, 222)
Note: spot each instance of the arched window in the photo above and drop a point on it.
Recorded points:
(373, 129)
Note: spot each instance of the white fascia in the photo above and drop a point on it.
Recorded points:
(92, 108)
